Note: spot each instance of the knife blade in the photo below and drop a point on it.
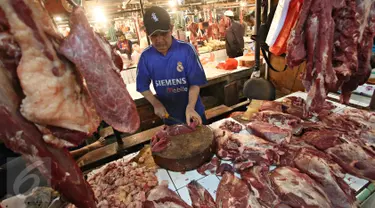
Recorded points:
(167, 116)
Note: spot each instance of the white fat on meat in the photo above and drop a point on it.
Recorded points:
(50, 99)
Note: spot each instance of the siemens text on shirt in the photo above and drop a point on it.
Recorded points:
(170, 82)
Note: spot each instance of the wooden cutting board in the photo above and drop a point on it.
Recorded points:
(187, 151)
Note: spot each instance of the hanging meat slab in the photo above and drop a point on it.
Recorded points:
(335, 39)
(111, 99)
(186, 151)
(23, 137)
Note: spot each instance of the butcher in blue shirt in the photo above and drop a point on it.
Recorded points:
(174, 68)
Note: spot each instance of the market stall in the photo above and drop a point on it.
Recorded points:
(178, 181)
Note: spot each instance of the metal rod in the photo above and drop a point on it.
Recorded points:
(143, 14)
(257, 25)
(73, 3)
(118, 137)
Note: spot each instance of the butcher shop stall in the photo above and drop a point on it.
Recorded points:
(290, 123)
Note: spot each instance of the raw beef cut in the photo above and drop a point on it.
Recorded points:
(111, 99)
(269, 132)
(279, 119)
(122, 184)
(245, 149)
(23, 137)
(365, 13)
(162, 197)
(258, 179)
(357, 124)
(297, 106)
(335, 39)
(210, 167)
(231, 126)
(345, 56)
(354, 159)
(44, 103)
(224, 167)
(52, 93)
(200, 197)
(285, 121)
(234, 193)
(271, 106)
(160, 140)
(297, 189)
(320, 167)
(345, 150)
(327, 173)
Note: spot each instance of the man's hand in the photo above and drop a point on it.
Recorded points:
(160, 110)
(191, 114)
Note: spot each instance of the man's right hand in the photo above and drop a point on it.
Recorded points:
(160, 110)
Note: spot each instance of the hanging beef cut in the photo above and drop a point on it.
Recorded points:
(48, 103)
(335, 39)
(111, 99)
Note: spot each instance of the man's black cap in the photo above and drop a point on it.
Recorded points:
(156, 19)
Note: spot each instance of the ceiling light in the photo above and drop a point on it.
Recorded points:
(58, 18)
(172, 3)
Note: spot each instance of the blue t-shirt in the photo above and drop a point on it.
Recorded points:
(172, 75)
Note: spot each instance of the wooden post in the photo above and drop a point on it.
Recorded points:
(372, 102)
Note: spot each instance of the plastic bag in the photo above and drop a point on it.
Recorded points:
(279, 47)
(229, 64)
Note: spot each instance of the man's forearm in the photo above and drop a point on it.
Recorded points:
(193, 95)
(151, 98)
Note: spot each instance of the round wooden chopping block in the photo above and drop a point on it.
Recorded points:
(187, 151)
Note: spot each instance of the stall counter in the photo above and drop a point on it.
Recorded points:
(178, 181)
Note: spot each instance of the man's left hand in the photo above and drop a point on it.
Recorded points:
(191, 114)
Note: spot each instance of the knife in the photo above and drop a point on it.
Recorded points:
(167, 116)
